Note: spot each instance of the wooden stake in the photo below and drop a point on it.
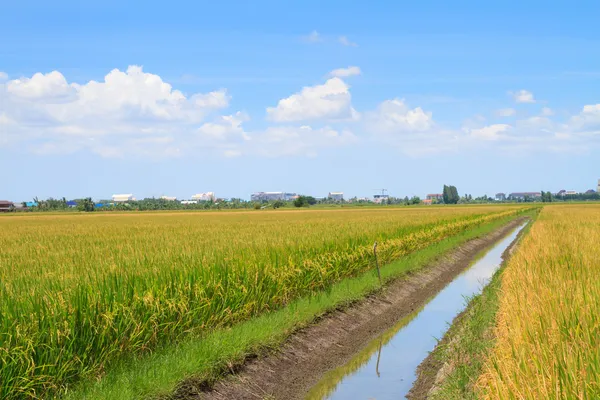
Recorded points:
(377, 264)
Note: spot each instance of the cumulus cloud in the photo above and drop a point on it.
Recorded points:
(506, 112)
(225, 127)
(345, 72)
(43, 87)
(412, 131)
(3, 76)
(128, 110)
(344, 41)
(329, 101)
(523, 96)
(394, 116)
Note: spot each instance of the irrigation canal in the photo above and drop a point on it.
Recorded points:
(386, 367)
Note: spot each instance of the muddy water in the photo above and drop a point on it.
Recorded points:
(386, 367)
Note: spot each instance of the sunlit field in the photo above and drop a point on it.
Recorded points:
(78, 292)
(548, 324)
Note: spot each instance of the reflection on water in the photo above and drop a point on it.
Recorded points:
(386, 367)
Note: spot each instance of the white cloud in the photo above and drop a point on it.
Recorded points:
(346, 42)
(3, 76)
(506, 112)
(330, 101)
(43, 87)
(411, 130)
(393, 116)
(588, 120)
(313, 37)
(491, 132)
(523, 96)
(123, 114)
(345, 72)
(225, 127)
(547, 111)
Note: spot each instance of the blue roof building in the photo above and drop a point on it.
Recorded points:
(31, 204)
(71, 203)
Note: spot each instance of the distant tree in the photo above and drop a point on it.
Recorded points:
(300, 201)
(86, 205)
(311, 200)
(450, 195)
(415, 200)
(278, 204)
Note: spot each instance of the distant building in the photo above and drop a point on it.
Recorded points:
(435, 196)
(591, 191)
(272, 196)
(571, 192)
(168, 198)
(189, 202)
(30, 204)
(500, 196)
(71, 204)
(380, 198)
(336, 196)
(122, 198)
(6, 206)
(427, 202)
(290, 196)
(524, 195)
(561, 192)
(208, 196)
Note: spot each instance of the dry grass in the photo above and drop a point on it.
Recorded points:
(548, 324)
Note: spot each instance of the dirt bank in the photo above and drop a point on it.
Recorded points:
(308, 354)
(432, 372)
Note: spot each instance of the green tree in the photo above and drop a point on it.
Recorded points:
(450, 195)
(86, 205)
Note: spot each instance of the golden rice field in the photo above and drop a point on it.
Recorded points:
(548, 324)
(78, 292)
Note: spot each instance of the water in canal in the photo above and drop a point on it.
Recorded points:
(386, 367)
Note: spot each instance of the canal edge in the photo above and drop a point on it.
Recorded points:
(438, 366)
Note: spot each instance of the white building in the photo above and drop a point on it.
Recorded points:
(189, 202)
(336, 196)
(122, 198)
(380, 198)
(168, 198)
(208, 196)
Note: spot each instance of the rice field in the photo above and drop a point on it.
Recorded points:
(548, 323)
(78, 292)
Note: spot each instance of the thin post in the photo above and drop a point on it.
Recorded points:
(377, 264)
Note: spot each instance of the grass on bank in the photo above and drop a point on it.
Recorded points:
(467, 343)
(207, 358)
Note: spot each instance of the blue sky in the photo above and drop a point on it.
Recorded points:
(304, 96)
